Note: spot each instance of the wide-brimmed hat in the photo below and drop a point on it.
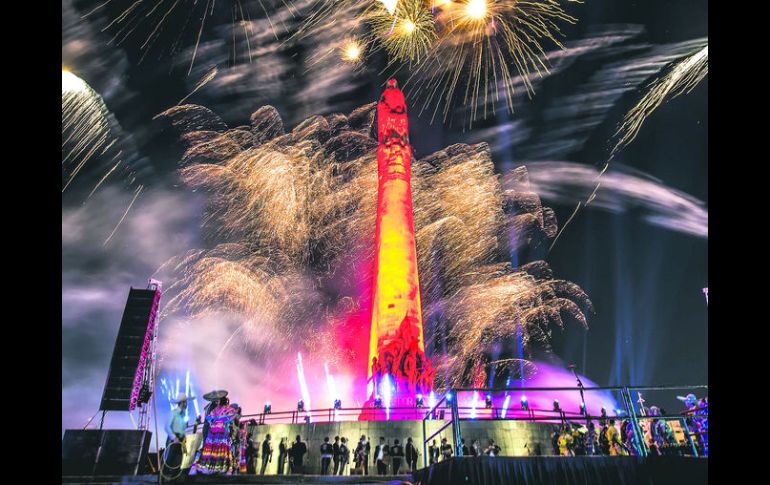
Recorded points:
(690, 398)
(215, 395)
(181, 397)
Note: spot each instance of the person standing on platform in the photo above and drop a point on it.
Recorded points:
(565, 442)
(446, 450)
(362, 454)
(216, 456)
(411, 455)
(475, 448)
(604, 441)
(336, 454)
(175, 443)
(298, 450)
(327, 452)
(283, 451)
(380, 453)
(344, 455)
(466, 449)
(492, 449)
(613, 437)
(251, 455)
(267, 453)
(433, 453)
(397, 454)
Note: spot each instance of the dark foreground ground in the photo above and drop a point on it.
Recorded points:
(541, 470)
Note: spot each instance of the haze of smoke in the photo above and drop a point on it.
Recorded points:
(619, 190)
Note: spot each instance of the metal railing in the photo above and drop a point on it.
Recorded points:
(459, 414)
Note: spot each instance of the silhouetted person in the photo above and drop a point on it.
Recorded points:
(433, 453)
(466, 449)
(267, 453)
(492, 449)
(446, 450)
(344, 455)
(327, 451)
(380, 452)
(411, 455)
(336, 454)
(251, 454)
(362, 454)
(397, 453)
(283, 451)
(475, 448)
(298, 450)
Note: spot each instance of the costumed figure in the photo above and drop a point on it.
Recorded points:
(216, 456)
(617, 448)
(699, 426)
(661, 434)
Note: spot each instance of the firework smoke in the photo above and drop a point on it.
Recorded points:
(620, 190)
(290, 222)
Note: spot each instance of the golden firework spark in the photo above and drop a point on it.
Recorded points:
(85, 127)
(167, 24)
(483, 47)
(352, 52)
(406, 35)
(459, 53)
(681, 79)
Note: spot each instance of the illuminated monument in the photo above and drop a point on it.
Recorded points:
(398, 367)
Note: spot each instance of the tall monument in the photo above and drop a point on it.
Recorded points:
(396, 347)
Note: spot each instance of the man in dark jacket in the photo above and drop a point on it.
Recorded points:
(344, 455)
(327, 451)
(446, 450)
(362, 454)
(466, 449)
(336, 454)
(298, 450)
(433, 453)
(411, 455)
(380, 453)
(283, 452)
(251, 454)
(397, 452)
(267, 453)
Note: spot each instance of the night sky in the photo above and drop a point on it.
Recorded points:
(645, 281)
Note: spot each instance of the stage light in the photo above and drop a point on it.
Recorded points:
(300, 406)
(583, 408)
(556, 406)
(418, 403)
(269, 408)
(524, 403)
(449, 397)
(337, 404)
(488, 402)
(378, 402)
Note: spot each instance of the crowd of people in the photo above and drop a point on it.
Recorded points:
(229, 447)
(619, 437)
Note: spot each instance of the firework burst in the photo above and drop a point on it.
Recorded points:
(462, 53)
(291, 218)
(167, 26)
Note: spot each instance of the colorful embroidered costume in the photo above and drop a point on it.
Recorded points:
(216, 455)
